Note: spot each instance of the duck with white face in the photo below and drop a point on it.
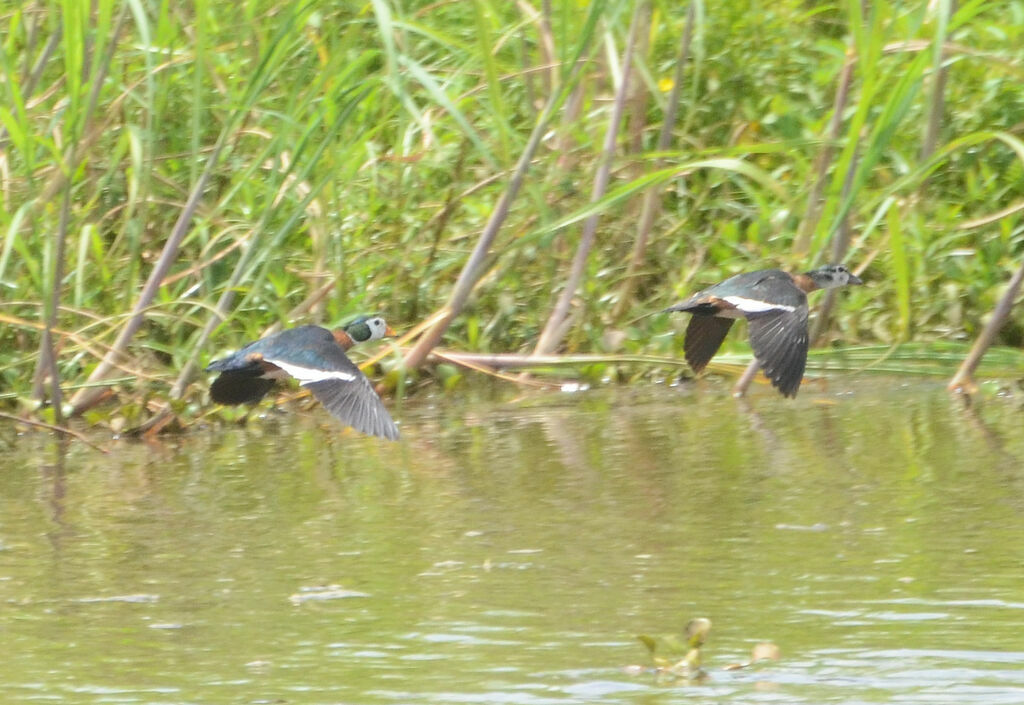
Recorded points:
(316, 357)
(774, 303)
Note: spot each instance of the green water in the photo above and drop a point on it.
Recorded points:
(509, 549)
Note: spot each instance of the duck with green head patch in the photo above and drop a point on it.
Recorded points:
(316, 357)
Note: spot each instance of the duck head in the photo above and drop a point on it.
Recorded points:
(833, 276)
(367, 328)
(363, 329)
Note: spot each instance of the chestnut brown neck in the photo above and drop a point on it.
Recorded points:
(343, 338)
(805, 283)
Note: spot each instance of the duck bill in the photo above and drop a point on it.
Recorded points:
(854, 279)
(390, 332)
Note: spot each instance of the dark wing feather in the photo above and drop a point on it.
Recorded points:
(355, 404)
(780, 344)
(239, 387)
(704, 335)
(241, 379)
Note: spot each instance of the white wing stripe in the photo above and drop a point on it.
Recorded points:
(305, 375)
(755, 306)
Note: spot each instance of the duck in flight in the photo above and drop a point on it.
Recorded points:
(775, 305)
(316, 357)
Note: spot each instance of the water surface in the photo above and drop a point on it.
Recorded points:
(512, 545)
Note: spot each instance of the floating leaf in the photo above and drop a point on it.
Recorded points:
(650, 642)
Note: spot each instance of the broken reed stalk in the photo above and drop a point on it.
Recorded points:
(812, 216)
(840, 244)
(963, 380)
(555, 328)
(743, 383)
(639, 97)
(53, 427)
(546, 46)
(651, 206)
(940, 75)
(471, 271)
(519, 361)
(47, 369)
(31, 78)
(47, 366)
(470, 274)
(85, 398)
(442, 356)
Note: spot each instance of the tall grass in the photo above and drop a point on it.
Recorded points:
(174, 179)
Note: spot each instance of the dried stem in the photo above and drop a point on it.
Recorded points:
(963, 380)
(87, 397)
(47, 366)
(938, 97)
(840, 244)
(474, 265)
(743, 383)
(810, 220)
(37, 71)
(652, 202)
(555, 328)
(53, 427)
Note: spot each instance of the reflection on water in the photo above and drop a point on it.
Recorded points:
(509, 549)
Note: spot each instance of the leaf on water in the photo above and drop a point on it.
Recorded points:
(694, 634)
(689, 642)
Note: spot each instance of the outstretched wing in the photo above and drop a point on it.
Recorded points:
(780, 344)
(704, 335)
(355, 404)
(340, 386)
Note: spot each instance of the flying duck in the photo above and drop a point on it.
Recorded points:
(316, 357)
(775, 304)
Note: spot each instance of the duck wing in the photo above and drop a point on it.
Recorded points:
(356, 404)
(322, 366)
(244, 377)
(779, 340)
(704, 335)
(240, 387)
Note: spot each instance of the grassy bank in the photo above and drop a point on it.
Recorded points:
(178, 177)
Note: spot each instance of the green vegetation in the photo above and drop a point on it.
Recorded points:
(688, 667)
(177, 177)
